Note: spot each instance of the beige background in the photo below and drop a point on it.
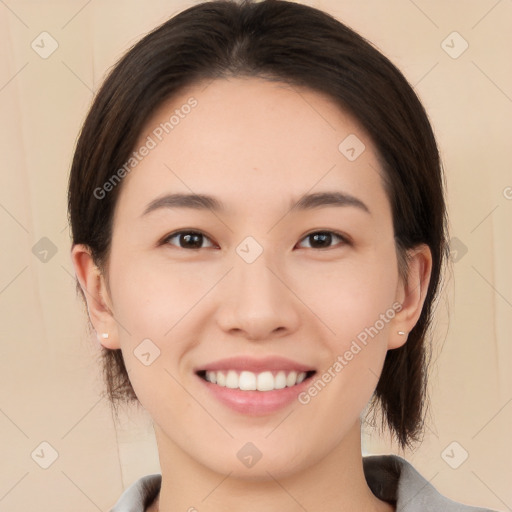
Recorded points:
(50, 384)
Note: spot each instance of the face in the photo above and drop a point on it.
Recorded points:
(290, 273)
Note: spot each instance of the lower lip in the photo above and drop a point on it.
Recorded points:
(256, 403)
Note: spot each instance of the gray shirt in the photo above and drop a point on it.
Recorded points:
(391, 478)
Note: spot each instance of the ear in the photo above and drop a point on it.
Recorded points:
(411, 294)
(99, 305)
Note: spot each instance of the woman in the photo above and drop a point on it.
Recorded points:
(259, 231)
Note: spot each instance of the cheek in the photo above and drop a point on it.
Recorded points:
(358, 308)
(356, 302)
(157, 304)
(154, 305)
(352, 296)
(151, 297)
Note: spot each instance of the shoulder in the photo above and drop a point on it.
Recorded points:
(139, 495)
(392, 478)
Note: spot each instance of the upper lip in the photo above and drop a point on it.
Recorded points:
(255, 365)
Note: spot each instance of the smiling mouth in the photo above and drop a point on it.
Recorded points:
(255, 381)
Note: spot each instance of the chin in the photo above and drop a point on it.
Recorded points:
(250, 464)
(260, 472)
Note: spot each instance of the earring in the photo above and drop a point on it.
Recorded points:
(104, 335)
(401, 333)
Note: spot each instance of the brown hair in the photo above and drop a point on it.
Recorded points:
(299, 45)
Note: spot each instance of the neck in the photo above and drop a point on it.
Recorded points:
(335, 482)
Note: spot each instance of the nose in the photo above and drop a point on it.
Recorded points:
(258, 302)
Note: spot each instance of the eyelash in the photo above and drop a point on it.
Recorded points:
(167, 239)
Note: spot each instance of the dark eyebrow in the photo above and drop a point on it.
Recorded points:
(323, 199)
(194, 201)
(205, 202)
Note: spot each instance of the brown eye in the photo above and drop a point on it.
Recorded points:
(324, 239)
(194, 240)
(187, 239)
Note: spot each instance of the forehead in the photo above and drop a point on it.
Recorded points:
(253, 141)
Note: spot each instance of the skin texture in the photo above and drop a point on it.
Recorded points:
(257, 146)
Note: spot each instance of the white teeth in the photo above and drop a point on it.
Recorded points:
(249, 381)
(221, 379)
(265, 381)
(291, 379)
(232, 379)
(280, 380)
(300, 377)
(211, 376)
